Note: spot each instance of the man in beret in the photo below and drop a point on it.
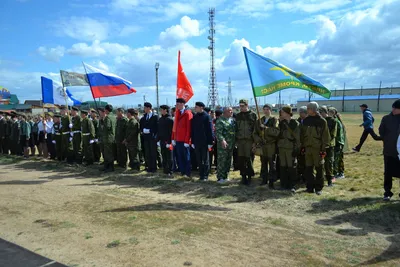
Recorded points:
(132, 139)
(96, 147)
(165, 126)
(181, 136)
(389, 130)
(315, 140)
(66, 140)
(202, 139)
(368, 124)
(149, 131)
(266, 135)
(76, 134)
(330, 150)
(108, 138)
(246, 121)
(120, 133)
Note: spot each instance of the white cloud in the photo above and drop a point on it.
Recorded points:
(82, 28)
(51, 54)
(84, 50)
(129, 30)
(251, 8)
(187, 28)
(311, 6)
(125, 4)
(235, 53)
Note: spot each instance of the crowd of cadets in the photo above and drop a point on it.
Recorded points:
(308, 149)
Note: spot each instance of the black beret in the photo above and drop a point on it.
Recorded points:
(148, 105)
(363, 106)
(75, 108)
(109, 108)
(396, 104)
(164, 107)
(181, 100)
(200, 104)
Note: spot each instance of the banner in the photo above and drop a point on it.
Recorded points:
(73, 79)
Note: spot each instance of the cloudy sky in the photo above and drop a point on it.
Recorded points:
(334, 41)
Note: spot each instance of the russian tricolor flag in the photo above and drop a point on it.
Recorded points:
(104, 84)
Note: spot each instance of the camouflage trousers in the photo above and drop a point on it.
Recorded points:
(224, 158)
(328, 165)
(338, 166)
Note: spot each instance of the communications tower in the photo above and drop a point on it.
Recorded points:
(212, 82)
(230, 99)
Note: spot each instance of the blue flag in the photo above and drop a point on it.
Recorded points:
(268, 76)
(54, 93)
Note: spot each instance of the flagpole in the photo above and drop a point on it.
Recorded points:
(65, 97)
(90, 86)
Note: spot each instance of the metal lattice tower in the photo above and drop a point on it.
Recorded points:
(212, 82)
(230, 99)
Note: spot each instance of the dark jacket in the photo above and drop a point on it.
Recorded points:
(389, 130)
(202, 130)
(165, 125)
(151, 124)
(368, 119)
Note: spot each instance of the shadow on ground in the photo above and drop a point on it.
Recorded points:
(366, 215)
(163, 206)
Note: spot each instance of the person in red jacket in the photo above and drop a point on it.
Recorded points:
(181, 136)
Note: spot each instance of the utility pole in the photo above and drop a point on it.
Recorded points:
(157, 66)
(344, 89)
(230, 100)
(379, 95)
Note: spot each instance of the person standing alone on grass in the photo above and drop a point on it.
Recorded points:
(389, 130)
(225, 141)
(368, 124)
(181, 136)
(202, 139)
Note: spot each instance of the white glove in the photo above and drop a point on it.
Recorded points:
(96, 140)
(186, 145)
(167, 145)
(173, 143)
(193, 146)
(70, 125)
(70, 139)
(91, 141)
(158, 143)
(146, 131)
(54, 141)
(71, 133)
(210, 146)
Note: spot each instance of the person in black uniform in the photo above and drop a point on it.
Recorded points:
(165, 125)
(149, 131)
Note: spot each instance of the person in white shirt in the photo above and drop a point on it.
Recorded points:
(41, 145)
(49, 147)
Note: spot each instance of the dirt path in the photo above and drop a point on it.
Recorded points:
(80, 219)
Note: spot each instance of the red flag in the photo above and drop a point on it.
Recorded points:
(183, 88)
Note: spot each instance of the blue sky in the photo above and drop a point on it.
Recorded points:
(356, 42)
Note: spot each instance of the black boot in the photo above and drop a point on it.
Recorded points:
(244, 180)
(105, 167)
(249, 180)
(284, 178)
(271, 184)
(264, 180)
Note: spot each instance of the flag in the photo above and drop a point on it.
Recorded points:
(104, 84)
(268, 76)
(73, 79)
(183, 88)
(54, 93)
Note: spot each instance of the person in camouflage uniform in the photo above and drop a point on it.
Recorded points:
(25, 135)
(66, 126)
(108, 138)
(96, 147)
(314, 141)
(338, 166)
(330, 151)
(225, 128)
(267, 132)
(57, 137)
(102, 115)
(245, 122)
(132, 139)
(88, 133)
(289, 148)
(120, 133)
(76, 134)
(301, 160)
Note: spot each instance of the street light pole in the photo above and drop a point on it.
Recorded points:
(157, 66)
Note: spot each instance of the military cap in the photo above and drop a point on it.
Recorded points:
(243, 101)
(51, 114)
(165, 107)
(287, 109)
(109, 108)
(269, 106)
(363, 106)
(92, 110)
(323, 109)
(121, 110)
(396, 104)
(84, 112)
(63, 107)
(332, 109)
(75, 108)
(132, 111)
(147, 105)
(200, 104)
(180, 100)
(303, 109)
(57, 115)
(313, 105)
(101, 109)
